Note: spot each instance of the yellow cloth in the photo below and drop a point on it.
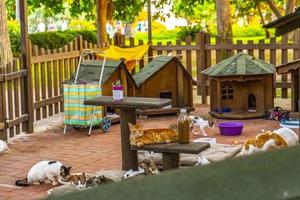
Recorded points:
(131, 55)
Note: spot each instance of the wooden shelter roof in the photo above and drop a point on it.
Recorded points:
(239, 65)
(285, 68)
(90, 70)
(154, 66)
(286, 23)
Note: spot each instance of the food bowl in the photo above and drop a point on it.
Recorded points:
(231, 128)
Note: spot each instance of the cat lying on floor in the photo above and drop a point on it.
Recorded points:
(3, 146)
(82, 181)
(143, 169)
(43, 171)
(201, 124)
(277, 139)
(140, 136)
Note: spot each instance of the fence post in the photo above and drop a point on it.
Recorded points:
(200, 63)
(26, 55)
(3, 135)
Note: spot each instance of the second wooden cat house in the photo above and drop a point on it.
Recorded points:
(165, 77)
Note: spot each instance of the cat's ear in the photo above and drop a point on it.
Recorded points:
(130, 125)
(69, 169)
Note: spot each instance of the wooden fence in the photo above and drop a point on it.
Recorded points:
(50, 68)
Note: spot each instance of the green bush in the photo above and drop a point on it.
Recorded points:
(247, 31)
(15, 37)
(186, 31)
(76, 24)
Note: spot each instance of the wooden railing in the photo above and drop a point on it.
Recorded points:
(50, 68)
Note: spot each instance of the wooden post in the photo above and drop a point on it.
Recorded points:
(149, 16)
(129, 157)
(200, 61)
(3, 135)
(170, 161)
(219, 98)
(26, 54)
(273, 61)
(284, 60)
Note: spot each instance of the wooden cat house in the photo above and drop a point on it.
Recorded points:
(113, 71)
(241, 87)
(165, 77)
(284, 25)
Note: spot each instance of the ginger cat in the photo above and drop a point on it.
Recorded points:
(140, 136)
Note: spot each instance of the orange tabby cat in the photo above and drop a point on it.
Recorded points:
(140, 136)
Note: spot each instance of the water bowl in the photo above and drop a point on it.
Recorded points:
(231, 128)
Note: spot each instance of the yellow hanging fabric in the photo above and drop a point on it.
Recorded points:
(131, 55)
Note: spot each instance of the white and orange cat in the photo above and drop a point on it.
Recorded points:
(140, 136)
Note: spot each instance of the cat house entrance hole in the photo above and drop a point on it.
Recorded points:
(165, 95)
(251, 103)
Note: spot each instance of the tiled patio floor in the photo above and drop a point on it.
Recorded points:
(84, 154)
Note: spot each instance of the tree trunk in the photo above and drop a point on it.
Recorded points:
(274, 8)
(289, 6)
(101, 9)
(224, 19)
(5, 48)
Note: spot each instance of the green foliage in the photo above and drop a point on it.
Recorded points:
(186, 31)
(247, 31)
(83, 7)
(15, 36)
(77, 24)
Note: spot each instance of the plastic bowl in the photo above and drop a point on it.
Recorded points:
(231, 128)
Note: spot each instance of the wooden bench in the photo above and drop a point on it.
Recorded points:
(171, 151)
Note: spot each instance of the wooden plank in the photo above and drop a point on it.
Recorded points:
(55, 81)
(63, 55)
(207, 60)
(218, 52)
(273, 61)
(247, 46)
(13, 75)
(261, 52)
(229, 52)
(163, 111)
(251, 51)
(26, 54)
(17, 96)
(178, 52)
(284, 59)
(3, 135)
(240, 43)
(23, 95)
(71, 60)
(131, 44)
(61, 75)
(17, 120)
(10, 101)
(283, 85)
(200, 61)
(48, 101)
(159, 52)
(49, 83)
(43, 83)
(141, 63)
(66, 63)
(189, 56)
(170, 161)
(174, 147)
(37, 75)
(169, 51)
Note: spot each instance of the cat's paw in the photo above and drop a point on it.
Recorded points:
(36, 183)
(54, 183)
(204, 134)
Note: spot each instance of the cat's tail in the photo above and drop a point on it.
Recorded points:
(22, 182)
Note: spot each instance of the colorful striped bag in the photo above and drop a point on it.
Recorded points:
(75, 112)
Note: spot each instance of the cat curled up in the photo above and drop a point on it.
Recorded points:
(43, 171)
(140, 136)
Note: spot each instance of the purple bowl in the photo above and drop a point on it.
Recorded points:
(231, 128)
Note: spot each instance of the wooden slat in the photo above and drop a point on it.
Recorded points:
(13, 75)
(23, 95)
(284, 59)
(169, 51)
(55, 81)
(159, 52)
(283, 85)
(189, 56)
(207, 60)
(61, 78)
(62, 55)
(10, 100)
(37, 89)
(240, 43)
(247, 46)
(3, 135)
(17, 96)
(251, 51)
(48, 101)
(273, 61)
(17, 120)
(178, 52)
(200, 59)
(66, 63)
(141, 63)
(218, 52)
(49, 82)
(131, 44)
(43, 83)
(261, 52)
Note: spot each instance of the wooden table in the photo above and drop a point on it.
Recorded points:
(171, 151)
(128, 114)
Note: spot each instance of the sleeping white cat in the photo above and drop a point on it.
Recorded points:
(53, 171)
(3, 146)
(201, 124)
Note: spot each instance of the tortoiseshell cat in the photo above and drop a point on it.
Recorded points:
(140, 136)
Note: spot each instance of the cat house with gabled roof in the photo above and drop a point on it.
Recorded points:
(241, 87)
(166, 77)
